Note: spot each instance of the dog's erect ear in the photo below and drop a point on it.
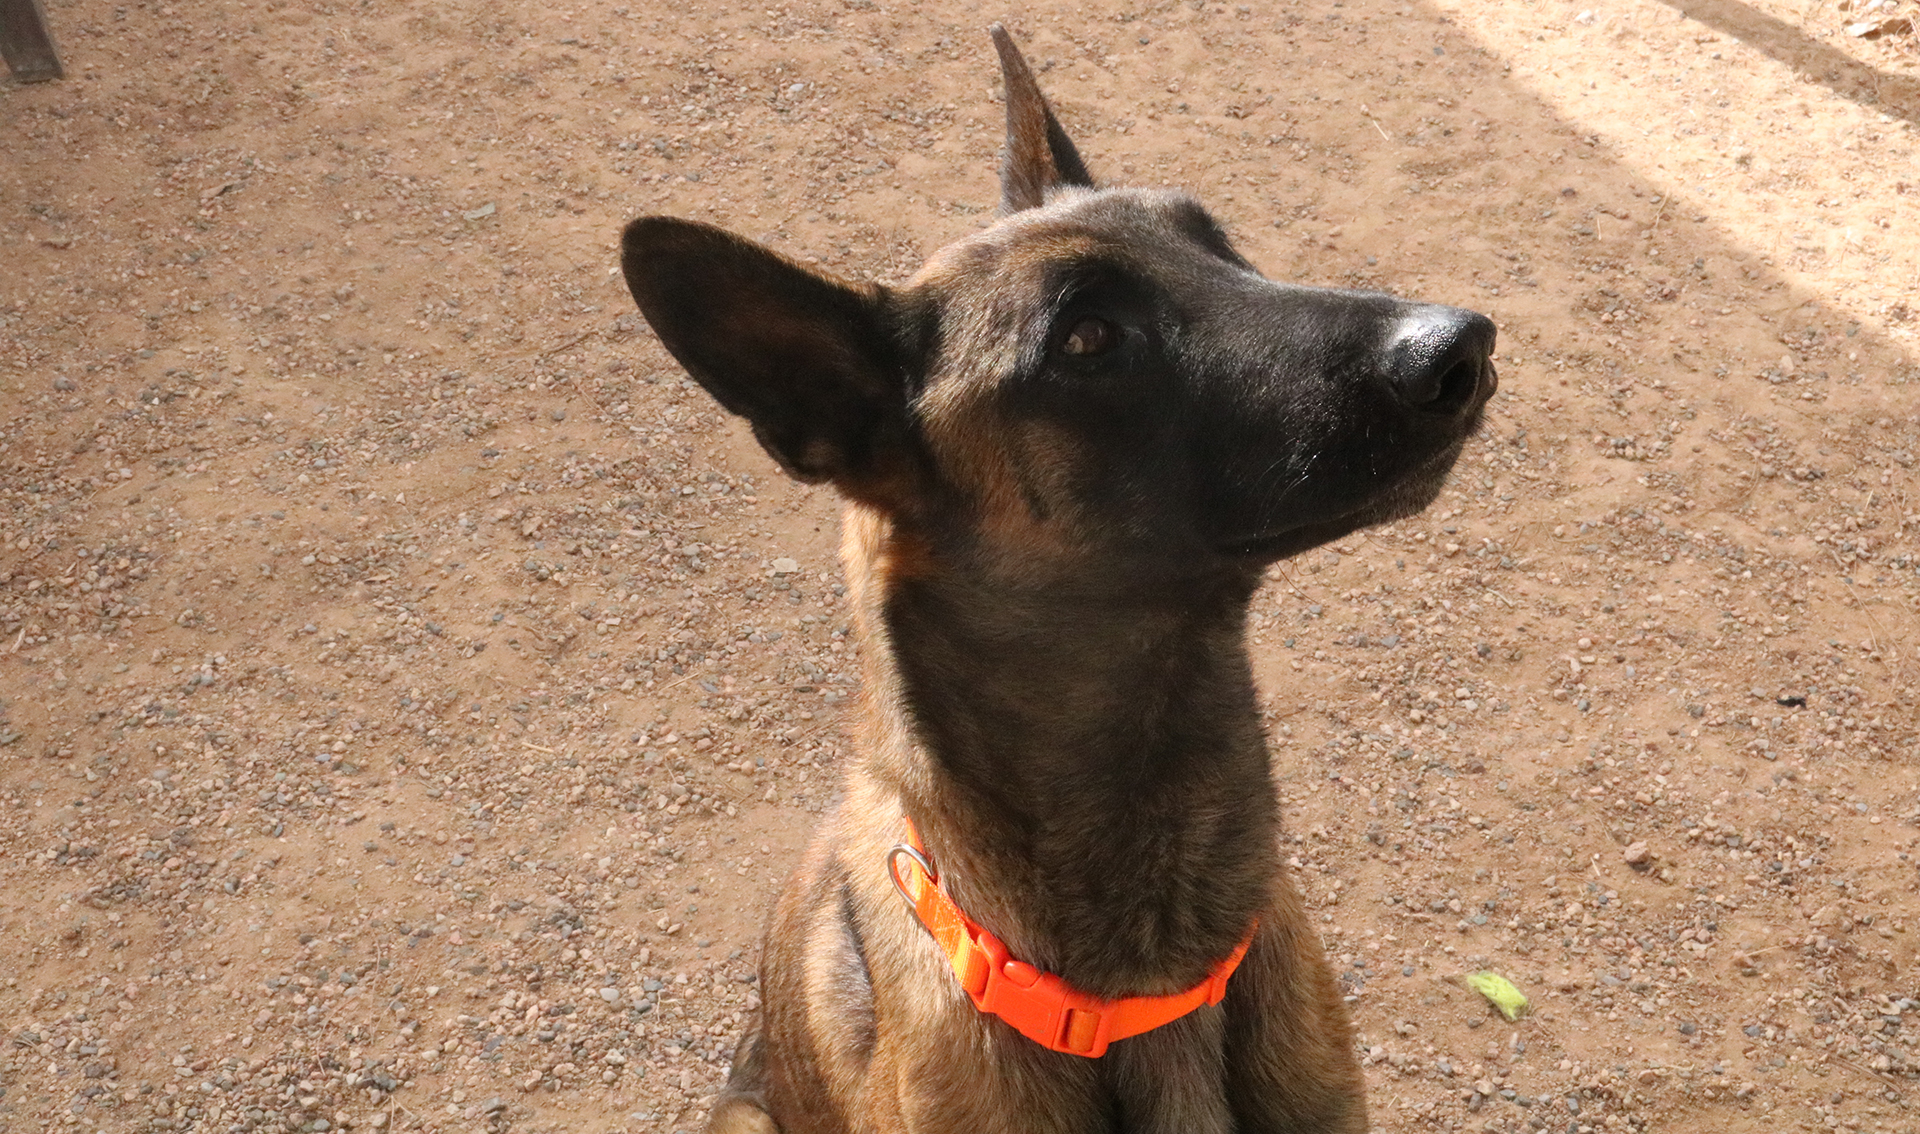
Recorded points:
(805, 359)
(1039, 154)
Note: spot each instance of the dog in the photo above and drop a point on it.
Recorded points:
(1053, 899)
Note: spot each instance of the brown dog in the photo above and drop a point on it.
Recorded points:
(1072, 442)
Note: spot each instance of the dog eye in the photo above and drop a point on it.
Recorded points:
(1090, 336)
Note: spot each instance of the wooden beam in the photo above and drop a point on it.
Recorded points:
(27, 42)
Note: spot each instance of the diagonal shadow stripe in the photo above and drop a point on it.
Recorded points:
(1840, 72)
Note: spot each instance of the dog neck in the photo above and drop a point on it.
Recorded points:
(1085, 759)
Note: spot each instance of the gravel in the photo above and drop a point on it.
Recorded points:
(412, 690)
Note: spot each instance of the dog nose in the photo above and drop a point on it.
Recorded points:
(1439, 360)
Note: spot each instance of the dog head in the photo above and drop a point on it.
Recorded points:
(1099, 370)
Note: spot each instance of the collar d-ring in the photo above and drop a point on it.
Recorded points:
(893, 870)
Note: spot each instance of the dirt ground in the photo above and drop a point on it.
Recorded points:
(412, 690)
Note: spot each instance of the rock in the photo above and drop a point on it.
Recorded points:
(1638, 856)
(1871, 29)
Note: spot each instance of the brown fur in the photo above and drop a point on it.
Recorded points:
(1050, 553)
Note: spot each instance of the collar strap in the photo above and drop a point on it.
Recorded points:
(1040, 1006)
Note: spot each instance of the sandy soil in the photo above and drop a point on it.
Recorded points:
(412, 691)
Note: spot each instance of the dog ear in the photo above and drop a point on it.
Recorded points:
(804, 358)
(1039, 154)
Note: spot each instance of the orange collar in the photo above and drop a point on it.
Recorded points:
(1040, 1006)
